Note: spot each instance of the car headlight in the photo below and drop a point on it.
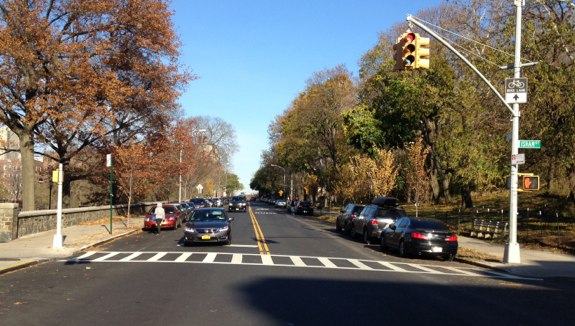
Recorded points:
(189, 229)
(225, 228)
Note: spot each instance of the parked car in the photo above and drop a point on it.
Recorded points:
(411, 236)
(173, 220)
(199, 202)
(208, 225)
(237, 203)
(348, 214)
(188, 208)
(304, 208)
(375, 217)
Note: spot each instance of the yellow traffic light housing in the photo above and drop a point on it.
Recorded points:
(411, 52)
(404, 51)
(421, 52)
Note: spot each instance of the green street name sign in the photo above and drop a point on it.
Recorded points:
(529, 143)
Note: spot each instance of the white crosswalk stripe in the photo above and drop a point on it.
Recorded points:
(286, 261)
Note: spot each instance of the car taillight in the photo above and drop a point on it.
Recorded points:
(418, 235)
(352, 217)
(451, 238)
(373, 222)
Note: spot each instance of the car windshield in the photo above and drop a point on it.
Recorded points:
(236, 199)
(208, 216)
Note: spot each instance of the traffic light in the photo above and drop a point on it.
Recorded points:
(404, 51)
(421, 52)
(529, 182)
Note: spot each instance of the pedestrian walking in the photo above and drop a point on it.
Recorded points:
(160, 216)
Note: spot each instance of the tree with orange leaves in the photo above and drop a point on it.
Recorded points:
(85, 73)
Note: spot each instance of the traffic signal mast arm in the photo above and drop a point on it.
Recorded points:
(442, 41)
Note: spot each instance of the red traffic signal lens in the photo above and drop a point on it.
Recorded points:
(410, 37)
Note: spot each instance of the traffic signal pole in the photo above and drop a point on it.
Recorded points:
(512, 253)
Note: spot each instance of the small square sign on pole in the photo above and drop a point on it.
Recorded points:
(515, 90)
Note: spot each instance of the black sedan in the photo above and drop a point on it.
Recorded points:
(411, 236)
(208, 225)
(304, 208)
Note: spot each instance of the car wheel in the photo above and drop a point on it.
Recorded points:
(366, 239)
(402, 249)
(337, 227)
(448, 257)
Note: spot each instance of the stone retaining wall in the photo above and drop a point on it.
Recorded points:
(15, 224)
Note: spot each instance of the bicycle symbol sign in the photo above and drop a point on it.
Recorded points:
(515, 90)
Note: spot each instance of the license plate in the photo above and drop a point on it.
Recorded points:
(206, 237)
(436, 249)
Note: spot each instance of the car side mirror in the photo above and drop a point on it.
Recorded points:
(392, 226)
(230, 218)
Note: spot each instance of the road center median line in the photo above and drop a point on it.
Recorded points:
(263, 246)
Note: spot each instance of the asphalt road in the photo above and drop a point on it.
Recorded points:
(279, 270)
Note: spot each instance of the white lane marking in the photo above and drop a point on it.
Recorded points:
(327, 263)
(297, 261)
(457, 270)
(236, 259)
(359, 264)
(267, 260)
(425, 269)
(242, 246)
(210, 257)
(157, 256)
(130, 257)
(392, 267)
(110, 255)
(183, 257)
(86, 255)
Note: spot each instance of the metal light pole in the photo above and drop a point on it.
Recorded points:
(512, 252)
(180, 169)
(58, 240)
(284, 184)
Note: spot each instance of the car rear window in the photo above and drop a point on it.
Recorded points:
(429, 225)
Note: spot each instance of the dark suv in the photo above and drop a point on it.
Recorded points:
(237, 203)
(382, 212)
(348, 214)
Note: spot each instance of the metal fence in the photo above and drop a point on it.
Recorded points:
(537, 226)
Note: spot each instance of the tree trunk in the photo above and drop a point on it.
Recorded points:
(466, 199)
(27, 156)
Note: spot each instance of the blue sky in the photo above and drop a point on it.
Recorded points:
(253, 57)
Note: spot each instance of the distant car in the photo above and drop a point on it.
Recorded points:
(237, 203)
(303, 208)
(411, 236)
(348, 214)
(375, 217)
(281, 203)
(208, 225)
(173, 220)
(199, 202)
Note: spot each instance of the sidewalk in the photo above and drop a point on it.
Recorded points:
(36, 248)
(534, 263)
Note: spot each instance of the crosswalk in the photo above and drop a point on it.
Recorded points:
(224, 258)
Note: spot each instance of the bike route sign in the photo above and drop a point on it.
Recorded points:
(515, 90)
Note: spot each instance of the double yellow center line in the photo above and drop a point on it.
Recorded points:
(262, 245)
